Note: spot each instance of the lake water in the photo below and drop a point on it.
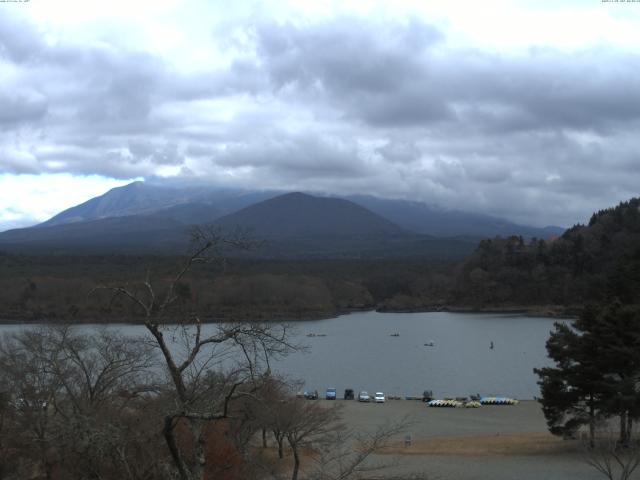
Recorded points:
(358, 352)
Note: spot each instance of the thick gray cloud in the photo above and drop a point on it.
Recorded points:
(344, 105)
(21, 106)
(19, 39)
(293, 156)
(386, 78)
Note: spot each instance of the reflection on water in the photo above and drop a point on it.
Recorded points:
(448, 353)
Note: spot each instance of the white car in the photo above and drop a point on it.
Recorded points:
(379, 397)
(363, 396)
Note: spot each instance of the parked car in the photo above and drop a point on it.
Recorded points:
(331, 394)
(349, 394)
(363, 397)
(379, 397)
(311, 395)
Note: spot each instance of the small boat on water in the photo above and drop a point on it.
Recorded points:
(430, 344)
(396, 334)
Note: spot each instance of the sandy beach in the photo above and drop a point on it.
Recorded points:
(491, 442)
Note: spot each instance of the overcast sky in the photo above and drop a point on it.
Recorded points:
(527, 110)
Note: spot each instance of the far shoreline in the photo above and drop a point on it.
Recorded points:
(557, 311)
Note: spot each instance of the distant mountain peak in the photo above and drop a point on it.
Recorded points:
(295, 195)
(202, 203)
(301, 214)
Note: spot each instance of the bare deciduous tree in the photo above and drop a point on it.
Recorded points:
(239, 353)
(69, 402)
(4, 409)
(613, 459)
(302, 423)
(26, 374)
(268, 409)
(92, 408)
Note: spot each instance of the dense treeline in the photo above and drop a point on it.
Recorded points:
(581, 266)
(56, 288)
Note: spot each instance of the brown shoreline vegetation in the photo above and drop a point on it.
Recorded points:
(54, 290)
(558, 312)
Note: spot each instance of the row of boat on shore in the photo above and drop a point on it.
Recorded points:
(455, 403)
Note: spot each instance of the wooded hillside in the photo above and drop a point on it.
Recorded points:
(583, 265)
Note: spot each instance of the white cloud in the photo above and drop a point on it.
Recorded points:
(527, 109)
(29, 199)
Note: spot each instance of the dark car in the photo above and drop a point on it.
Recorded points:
(349, 394)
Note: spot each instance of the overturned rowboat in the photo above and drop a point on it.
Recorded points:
(445, 403)
(498, 401)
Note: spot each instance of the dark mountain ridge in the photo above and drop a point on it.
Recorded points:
(293, 225)
(298, 214)
(201, 204)
(422, 218)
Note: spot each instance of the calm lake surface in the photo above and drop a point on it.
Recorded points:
(358, 352)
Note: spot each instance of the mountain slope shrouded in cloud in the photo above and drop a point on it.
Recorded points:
(291, 225)
(198, 204)
(140, 198)
(421, 218)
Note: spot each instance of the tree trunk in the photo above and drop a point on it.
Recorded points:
(623, 428)
(592, 423)
(296, 463)
(44, 461)
(198, 432)
(280, 441)
(167, 431)
(47, 467)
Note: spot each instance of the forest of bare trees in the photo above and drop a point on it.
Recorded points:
(183, 401)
